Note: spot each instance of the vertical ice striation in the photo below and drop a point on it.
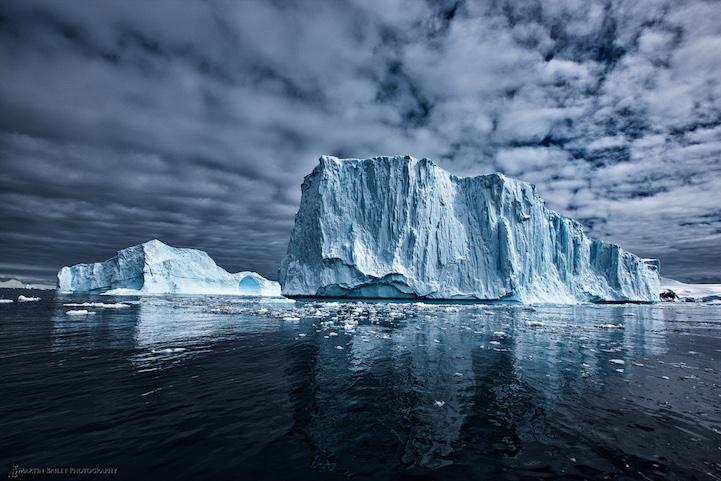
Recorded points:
(402, 227)
(156, 268)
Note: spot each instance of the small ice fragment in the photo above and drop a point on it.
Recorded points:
(619, 370)
(495, 343)
(79, 312)
(339, 347)
(117, 305)
(436, 340)
(27, 299)
(439, 403)
(6, 301)
(457, 374)
(332, 333)
(151, 392)
(291, 318)
(617, 361)
(277, 301)
(302, 334)
(665, 377)
(499, 333)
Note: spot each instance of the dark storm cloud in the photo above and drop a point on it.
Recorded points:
(195, 122)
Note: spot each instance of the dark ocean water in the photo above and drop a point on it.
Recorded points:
(226, 388)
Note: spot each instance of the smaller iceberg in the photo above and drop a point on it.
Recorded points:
(672, 290)
(156, 268)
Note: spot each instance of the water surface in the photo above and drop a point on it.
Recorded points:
(232, 388)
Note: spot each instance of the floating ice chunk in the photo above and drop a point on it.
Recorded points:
(117, 305)
(617, 361)
(439, 403)
(28, 299)
(80, 312)
(103, 305)
(291, 318)
(6, 301)
(167, 350)
(277, 301)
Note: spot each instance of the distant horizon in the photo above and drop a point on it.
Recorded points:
(195, 123)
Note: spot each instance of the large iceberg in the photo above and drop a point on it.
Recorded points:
(156, 268)
(394, 227)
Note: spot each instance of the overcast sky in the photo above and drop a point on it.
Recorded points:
(195, 122)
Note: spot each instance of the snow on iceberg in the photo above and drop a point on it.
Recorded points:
(400, 227)
(156, 268)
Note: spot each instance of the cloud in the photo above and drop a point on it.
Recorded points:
(196, 123)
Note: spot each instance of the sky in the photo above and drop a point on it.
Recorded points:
(194, 122)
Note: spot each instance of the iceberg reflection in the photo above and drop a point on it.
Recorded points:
(428, 379)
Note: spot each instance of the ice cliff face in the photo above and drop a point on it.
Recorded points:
(156, 268)
(401, 227)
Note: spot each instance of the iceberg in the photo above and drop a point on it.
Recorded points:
(399, 227)
(12, 284)
(672, 290)
(156, 268)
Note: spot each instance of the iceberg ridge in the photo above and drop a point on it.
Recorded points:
(396, 227)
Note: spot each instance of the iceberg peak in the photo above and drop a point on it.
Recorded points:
(402, 227)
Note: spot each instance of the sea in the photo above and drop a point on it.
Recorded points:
(219, 388)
